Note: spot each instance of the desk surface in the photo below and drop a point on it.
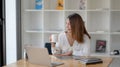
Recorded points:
(67, 63)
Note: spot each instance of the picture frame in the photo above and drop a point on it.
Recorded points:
(100, 46)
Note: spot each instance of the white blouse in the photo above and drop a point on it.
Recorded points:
(78, 49)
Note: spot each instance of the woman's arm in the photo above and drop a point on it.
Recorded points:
(64, 54)
(67, 54)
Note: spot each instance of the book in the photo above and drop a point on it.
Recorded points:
(92, 60)
(38, 4)
(100, 46)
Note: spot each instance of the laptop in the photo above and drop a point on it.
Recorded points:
(40, 56)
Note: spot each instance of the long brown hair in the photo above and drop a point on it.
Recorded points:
(77, 27)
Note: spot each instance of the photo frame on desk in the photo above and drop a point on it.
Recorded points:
(100, 46)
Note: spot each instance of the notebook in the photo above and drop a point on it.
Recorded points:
(40, 56)
(91, 60)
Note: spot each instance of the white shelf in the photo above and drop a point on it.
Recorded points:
(115, 33)
(101, 17)
(98, 10)
(38, 31)
(55, 10)
(99, 33)
(34, 31)
(33, 10)
(52, 31)
(76, 10)
(99, 54)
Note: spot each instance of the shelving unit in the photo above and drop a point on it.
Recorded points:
(101, 19)
(114, 26)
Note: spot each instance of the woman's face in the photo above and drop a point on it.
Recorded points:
(68, 27)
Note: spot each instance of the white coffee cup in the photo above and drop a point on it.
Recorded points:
(54, 38)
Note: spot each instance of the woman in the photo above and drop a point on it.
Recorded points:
(75, 40)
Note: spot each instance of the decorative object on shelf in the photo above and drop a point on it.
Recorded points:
(115, 52)
(82, 5)
(100, 46)
(59, 5)
(38, 4)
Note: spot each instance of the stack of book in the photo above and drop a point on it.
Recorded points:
(90, 60)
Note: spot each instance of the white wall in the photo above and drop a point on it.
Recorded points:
(10, 31)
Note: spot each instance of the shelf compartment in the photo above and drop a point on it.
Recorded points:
(34, 31)
(32, 10)
(32, 4)
(33, 21)
(101, 19)
(51, 4)
(52, 31)
(54, 21)
(94, 38)
(34, 39)
(75, 5)
(115, 42)
(98, 21)
(81, 13)
(99, 32)
(97, 4)
(115, 21)
(115, 4)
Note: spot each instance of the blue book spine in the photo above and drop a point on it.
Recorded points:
(38, 4)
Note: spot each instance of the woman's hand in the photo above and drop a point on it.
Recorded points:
(52, 43)
(65, 54)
